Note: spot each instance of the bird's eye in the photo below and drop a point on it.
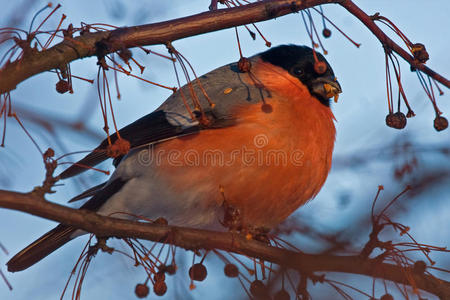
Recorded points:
(297, 71)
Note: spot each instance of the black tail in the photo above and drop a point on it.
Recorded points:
(40, 248)
(61, 234)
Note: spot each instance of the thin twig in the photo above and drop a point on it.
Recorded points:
(190, 238)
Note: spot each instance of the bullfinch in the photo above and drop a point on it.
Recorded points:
(257, 143)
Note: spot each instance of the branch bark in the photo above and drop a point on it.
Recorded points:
(86, 45)
(385, 40)
(145, 35)
(189, 238)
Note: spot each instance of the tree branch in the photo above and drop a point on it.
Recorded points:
(144, 35)
(189, 238)
(35, 62)
(385, 40)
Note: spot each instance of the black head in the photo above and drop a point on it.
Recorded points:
(299, 62)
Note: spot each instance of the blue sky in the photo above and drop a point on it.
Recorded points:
(360, 127)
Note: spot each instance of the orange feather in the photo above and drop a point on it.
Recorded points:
(271, 162)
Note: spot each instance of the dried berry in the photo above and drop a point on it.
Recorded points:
(171, 269)
(49, 153)
(420, 267)
(387, 297)
(281, 295)
(440, 123)
(141, 290)
(231, 270)
(160, 276)
(258, 290)
(160, 288)
(320, 67)
(326, 32)
(198, 272)
(62, 86)
(244, 65)
(419, 52)
(397, 120)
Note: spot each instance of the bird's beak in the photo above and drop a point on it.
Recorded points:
(327, 87)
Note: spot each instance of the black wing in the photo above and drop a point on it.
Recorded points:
(148, 129)
(89, 192)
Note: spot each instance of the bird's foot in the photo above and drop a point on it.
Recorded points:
(231, 217)
(233, 220)
(256, 233)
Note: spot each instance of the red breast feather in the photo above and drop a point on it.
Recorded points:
(268, 164)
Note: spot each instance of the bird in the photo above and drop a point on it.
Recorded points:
(252, 140)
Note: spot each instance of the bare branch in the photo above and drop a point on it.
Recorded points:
(385, 40)
(164, 32)
(150, 34)
(189, 238)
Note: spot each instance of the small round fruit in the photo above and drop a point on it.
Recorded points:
(198, 272)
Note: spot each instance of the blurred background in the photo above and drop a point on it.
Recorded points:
(367, 153)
